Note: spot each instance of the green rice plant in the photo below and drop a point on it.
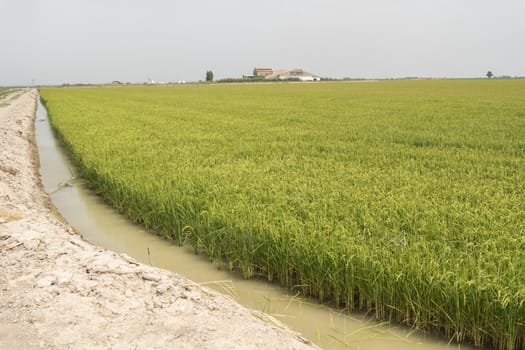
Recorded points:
(402, 199)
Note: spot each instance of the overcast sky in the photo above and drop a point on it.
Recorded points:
(57, 41)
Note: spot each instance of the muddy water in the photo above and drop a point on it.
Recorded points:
(105, 227)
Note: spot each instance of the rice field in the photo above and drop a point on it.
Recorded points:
(403, 199)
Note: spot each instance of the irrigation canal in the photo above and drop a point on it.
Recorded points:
(104, 226)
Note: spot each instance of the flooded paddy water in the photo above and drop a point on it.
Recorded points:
(103, 226)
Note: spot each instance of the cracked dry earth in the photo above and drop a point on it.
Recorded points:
(59, 292)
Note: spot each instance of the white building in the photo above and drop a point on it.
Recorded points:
(296, 73)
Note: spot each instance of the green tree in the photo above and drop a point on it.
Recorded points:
(209, 75)
(489, 74)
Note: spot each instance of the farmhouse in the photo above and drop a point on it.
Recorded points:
(262, 72)
(296, 73)
(282, 74)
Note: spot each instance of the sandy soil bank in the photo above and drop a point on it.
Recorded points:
(59, 292)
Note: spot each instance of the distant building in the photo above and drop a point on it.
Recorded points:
(262, 72)
(276, 74)
(296, 73)
(282, 74)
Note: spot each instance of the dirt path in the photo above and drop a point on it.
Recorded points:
(60, 292)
